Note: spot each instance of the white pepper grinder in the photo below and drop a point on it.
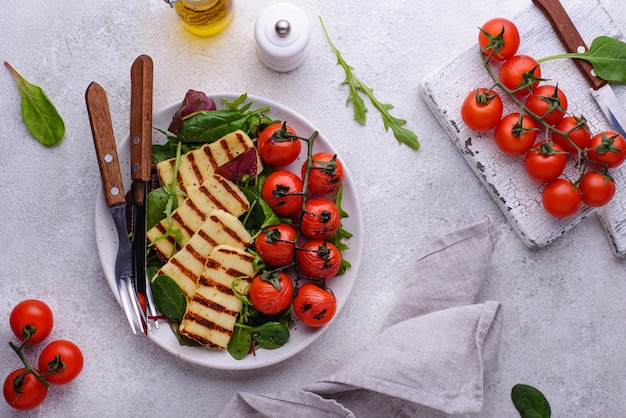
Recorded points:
(282, 33)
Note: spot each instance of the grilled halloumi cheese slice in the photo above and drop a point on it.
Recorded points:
(198, 165)
(187, 265)
(215, 193)
(212, 312)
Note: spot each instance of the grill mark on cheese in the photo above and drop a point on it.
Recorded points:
(190, 316)
(228, 186)
(206, 151)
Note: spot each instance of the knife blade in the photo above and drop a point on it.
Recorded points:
(600, 90)
(141, 75)
(106, 151)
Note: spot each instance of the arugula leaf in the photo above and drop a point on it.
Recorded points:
(606, 54)
(402, 134)
(39, 114)
(530, 402)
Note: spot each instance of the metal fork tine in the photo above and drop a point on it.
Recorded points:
(125, 299)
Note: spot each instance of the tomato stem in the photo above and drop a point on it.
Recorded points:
(27, 366)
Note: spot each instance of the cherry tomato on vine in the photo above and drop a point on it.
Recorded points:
(326, 173)
(271, 293)
(318, 259)
(321, 218)
(518, 70)
(24, 391)
(282, 190)
(276, 245)
(31, 317)
(515, 134)
(548, 102)
(278, 145)
(482, 109)
(502, 36)
(314, 305)
(607, 147)
(545, 162)
(66, 367)
(561, 198)
(597, 189)
(577, 132)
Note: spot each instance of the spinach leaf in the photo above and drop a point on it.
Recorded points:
(606, 54)
(269, 335)
(530, 402)
(239, 343)
(39, 114)
(168, 297)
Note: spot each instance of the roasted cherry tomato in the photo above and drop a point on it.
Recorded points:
(32, 318)
(597, 189)
(501, 36)
(318, 259)
(482, 109)
(516, 71)
(276, 245)
(282, 190)
(515, 134)
(314, 305)
(63, 359)
(326, 173)
(321, 218)
(548, 102)
(607, 147)
(545, 162)
(271, 293)
(577, 132)
(278, 145)
(561, 198)
(24, 391)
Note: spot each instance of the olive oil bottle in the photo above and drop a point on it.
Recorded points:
(204, 17)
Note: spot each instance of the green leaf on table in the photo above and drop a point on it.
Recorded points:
(607, 56)
(530, 402)
(39, 114)
(356, 86)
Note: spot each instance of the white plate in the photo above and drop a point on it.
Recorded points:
(301, 335)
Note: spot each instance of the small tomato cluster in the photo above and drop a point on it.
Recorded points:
(59, 363)
(301, 240)
(542, 109)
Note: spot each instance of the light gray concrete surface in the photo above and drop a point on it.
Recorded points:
(564, 310)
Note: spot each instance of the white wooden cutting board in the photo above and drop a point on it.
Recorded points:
(518, 197)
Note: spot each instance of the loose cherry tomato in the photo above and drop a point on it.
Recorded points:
(561, 198)
(313, 305)
(326, 173)
(482, 109)
(318, 259)
(282, 190)
(321, 218)
(577, 132)
(64, 359)
(278, 145)
(276, 245)
(548, 102)
(545, 162)
(515, 134)
(500, 35)
(271, 293)
(32, 318)
(24, 391)
(607, 147)
(521, 69)
(597, 189)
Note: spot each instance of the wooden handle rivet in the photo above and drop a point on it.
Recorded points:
(115, 191)
(108, 158)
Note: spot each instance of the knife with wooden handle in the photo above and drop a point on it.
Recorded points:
(573, 42)
(141, 75)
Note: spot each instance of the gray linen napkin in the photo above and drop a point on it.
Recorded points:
(430, 358)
